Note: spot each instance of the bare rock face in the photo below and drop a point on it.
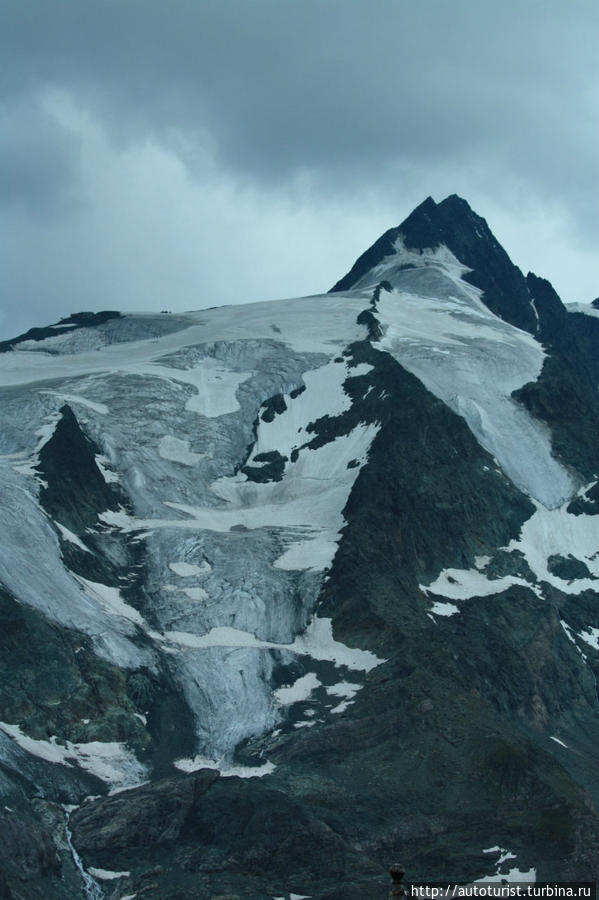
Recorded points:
(294, 589)
(202, 830)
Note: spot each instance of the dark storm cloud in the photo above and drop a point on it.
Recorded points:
(327, 85)
(39, 159)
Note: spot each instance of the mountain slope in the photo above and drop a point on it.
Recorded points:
(319, 576)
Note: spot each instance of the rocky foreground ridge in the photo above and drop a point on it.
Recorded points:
(294, 589)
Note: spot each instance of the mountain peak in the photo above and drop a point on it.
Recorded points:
(453, 224)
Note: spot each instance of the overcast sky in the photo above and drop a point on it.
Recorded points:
(190, 153)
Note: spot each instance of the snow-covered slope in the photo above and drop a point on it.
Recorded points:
(436, 325)
(176, 491)
(234, 561)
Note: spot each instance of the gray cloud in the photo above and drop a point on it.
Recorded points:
(39, 159)
(282, 86)
(293, 113)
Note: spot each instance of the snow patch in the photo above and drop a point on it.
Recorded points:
(568, 631)
(324, 396)
(103, 464)
(119, 518)
(112, 762)
(584, 308)
(202, 762)
(444, 609)
(316, 641)
(360, 369)
(462, 584)
(514, 874)
(71, 538)
(590, 637)
(345, 689)
(297, 692)
(106, 875)
(177, 450)
(110, 599)
(556, 532)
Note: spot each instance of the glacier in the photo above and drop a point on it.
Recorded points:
(223, 554)
(233, 564)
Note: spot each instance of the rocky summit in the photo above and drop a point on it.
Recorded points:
(291, 591)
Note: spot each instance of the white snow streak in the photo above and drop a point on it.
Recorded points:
(226, 771)
(316, 641)
(110, 599)
(106, 874)
(462, 584)
(444, 609)
(297, 692)
(590, 637)
(71, 538)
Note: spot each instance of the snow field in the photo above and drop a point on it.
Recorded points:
(316, 641)
(436, 325)
(487, 360)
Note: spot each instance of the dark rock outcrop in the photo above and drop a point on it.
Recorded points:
(205, 835)
(64, 326)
